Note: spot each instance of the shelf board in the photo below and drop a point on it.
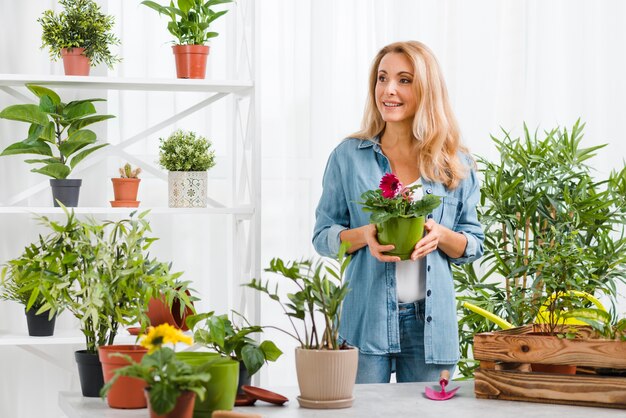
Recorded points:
(37, 210)
(123, 83)
(60, 337)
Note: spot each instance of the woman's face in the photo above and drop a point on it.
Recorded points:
(395, 97)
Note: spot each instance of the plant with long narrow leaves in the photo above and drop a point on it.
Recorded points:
(57, 131)
(551, 226)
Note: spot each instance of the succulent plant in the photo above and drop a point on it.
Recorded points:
(128, 172)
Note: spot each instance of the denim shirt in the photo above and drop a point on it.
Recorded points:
(370, 311)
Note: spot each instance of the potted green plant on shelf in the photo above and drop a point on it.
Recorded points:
(57, 136)
(109, 280)
(187, 156)
(80, 34)
(221, 335)
(398, 216)
(172, 384)
(28, 280)
(190, 24)
(553, 229)
(326, 367)
(126, 186)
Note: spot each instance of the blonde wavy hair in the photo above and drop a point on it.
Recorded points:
(436, 131)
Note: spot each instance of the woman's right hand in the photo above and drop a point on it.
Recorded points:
(376, 249)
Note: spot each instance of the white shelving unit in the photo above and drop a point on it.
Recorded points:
(245, 159)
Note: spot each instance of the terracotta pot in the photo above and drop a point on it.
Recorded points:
(75, 62)
(126, 392)
(190, 60)
(160, 313)
(125, 189)
(326, 377)
(183, 409)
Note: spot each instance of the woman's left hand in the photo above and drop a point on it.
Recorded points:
(430, 242)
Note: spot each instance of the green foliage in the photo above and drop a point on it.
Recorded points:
(56, 131)
(186, 151)
(383, 208)
(607, 325)
(166, 377)
(80, 25)
(128, 172)
(320, 289)
(217, 332)
(550, 227)
(190, 21)
(103, 275)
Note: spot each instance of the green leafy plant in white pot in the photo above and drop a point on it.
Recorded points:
(326, 367)
(57, 136)
(80, 35)
(190, 24)
(187, 156)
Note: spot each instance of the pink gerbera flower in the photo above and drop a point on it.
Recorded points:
(390, 186)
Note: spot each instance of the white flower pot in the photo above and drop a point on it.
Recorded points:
(187, 189)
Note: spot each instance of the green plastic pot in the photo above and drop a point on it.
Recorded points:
(221, 389)
(403, 233)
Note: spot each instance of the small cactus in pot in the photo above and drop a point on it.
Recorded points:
(126, 186)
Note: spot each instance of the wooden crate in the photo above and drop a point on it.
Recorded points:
(505, 373)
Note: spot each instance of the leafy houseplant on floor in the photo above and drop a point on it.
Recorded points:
(125, 187)
(399, 219)
(325, 367)
(220, 334)
(109, 280)
(172, 384)
(28, 280)
(187, 157)
(81, 35)
(58, 136)
(189, 24)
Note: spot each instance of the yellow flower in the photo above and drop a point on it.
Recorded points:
(163, 334)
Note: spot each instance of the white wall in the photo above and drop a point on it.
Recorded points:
(543, 62)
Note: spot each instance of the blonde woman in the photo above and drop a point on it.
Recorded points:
(402, 314)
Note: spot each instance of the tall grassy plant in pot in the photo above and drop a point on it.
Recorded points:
(397, 214)
(109, 280)
(80, 34)
(553, 228)
(190, 22)
(326, 367)
(29, 279)
(57, 136)
(186, 156)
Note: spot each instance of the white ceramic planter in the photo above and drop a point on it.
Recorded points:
(187, 189)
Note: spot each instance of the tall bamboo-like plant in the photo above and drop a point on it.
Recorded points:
(550, 227)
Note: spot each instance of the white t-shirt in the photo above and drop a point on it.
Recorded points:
(411, 275)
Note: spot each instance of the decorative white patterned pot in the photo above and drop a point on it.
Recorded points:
(187, 189)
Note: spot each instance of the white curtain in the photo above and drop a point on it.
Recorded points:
(543, 62)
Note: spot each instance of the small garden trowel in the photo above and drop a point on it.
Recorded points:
(444, 377)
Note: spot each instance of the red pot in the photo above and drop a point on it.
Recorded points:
(75, 62)
(126, 392)
(190, 60)
(183, 409)
(160, 313)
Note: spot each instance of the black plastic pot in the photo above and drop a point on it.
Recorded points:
(90, 373)
(65, 191)
(39, 325)
(244, 378)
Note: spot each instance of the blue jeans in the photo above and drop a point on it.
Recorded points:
(408, 364)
